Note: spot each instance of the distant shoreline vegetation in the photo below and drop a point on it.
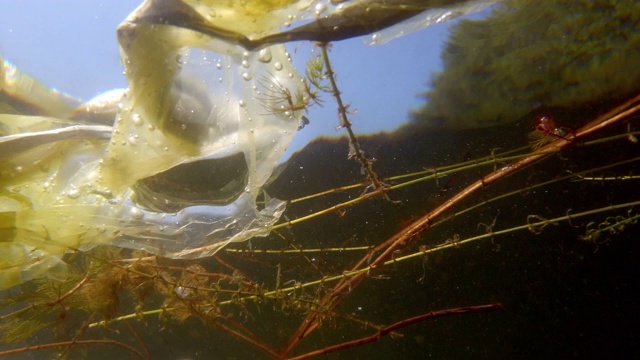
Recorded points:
(531, 56)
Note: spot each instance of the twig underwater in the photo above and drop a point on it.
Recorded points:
(495, 223)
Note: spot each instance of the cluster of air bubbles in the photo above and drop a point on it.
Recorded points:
(288, 22)
(245, 64)
(320, 8)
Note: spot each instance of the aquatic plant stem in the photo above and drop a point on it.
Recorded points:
(410, 233)
(400, 324)
(355, 149)
(74, 343)
(252, 340)
(69, 293)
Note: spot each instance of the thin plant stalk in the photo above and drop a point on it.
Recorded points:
(356, 150)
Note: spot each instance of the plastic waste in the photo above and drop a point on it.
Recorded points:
(197, 107)
(175, 164)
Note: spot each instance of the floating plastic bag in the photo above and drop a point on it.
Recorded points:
(212, 103)
(199, 132)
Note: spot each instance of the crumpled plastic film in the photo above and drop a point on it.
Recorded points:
(197, 107)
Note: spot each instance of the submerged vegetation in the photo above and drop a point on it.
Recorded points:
(374, 251)
(248, 291)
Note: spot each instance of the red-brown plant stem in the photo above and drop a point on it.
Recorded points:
(345, 123)
(251, 340)
(138, 338)
(73, 343)
(400, 324)
(231, 267)
(69, 293)
(408, 234)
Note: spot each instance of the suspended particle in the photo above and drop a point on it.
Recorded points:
(304, 121)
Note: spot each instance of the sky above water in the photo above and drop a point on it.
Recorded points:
(71, 45)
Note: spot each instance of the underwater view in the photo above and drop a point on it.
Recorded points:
(296, 179)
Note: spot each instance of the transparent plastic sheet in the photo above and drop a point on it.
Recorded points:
(210, 87)
(191, 99)
(22, 94)
(429, 17)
